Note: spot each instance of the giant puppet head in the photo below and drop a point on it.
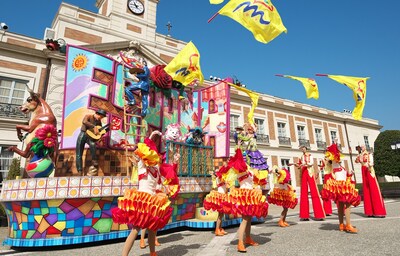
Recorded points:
(173, 132)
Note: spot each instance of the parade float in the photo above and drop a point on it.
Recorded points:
(61, 207)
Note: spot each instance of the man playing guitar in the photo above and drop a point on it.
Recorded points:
(89, 122)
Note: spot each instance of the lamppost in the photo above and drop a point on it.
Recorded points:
(395, 145)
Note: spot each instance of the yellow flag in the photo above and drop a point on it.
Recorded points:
(185, 67)
(310, 85)
(254, 101)
(216, 1)
(359, 87)
(260, 17)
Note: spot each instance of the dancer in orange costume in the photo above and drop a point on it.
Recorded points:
(214, 200)
(340, 189)
(327, 204)
(246, 200)
(308, 180)
(146, 208)
(283, 194)
(374, 206)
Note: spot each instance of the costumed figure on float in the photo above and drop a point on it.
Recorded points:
(308, 180)
(139, 80)
(283, 193)
(41, 138)
(341, 188)
(374, 206)
(148, 208)
(246, 201)
(254, 157)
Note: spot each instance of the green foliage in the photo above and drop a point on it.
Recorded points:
(387, 160)
(15, 169)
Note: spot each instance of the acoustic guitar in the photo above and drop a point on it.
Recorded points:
(102, 130)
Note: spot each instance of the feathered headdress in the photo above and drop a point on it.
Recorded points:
(333, 153)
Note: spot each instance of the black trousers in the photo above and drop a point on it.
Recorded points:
(83, 139)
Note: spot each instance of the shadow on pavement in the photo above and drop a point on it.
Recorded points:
(178, 250)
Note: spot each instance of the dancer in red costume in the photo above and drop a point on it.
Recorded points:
(246, 200)
(308, 180)
(147, 208)
(374, 206)
(283, 194)
(215, 199)
(327, 204)
(340, 189)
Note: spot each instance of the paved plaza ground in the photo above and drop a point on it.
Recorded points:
(377, 236)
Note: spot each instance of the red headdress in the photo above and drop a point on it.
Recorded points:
(333, 153)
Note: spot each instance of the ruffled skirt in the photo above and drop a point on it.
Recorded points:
(246, 202)
(142, 210)
(283, 197)
(214, 201)
(257, 160)
(341, 191)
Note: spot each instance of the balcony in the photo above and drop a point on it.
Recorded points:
(284, 141)
(262, 138)
(305, 143)
(321, 145)
(12, 111)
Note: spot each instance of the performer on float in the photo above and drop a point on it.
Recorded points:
(327, 203)
(308, 180)
(340, 189)
(139, 81)
(254, 157)
(90, 123)
(216, 198)
(245, 200)
(374, 206)
(283, 194)
(144, 208)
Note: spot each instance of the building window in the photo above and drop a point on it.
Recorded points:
(260, 125)
(12, 91)
(234, 122)
(333, 136)
(321, 144)
(366, 142)
(301, 132)
(5, 161)
(281, 129)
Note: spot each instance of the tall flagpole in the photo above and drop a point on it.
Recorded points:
(215, 15)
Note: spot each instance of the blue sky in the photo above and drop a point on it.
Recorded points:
(354, 38)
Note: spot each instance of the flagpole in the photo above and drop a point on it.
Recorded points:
(215, 15)
(321, 74)
(279, 75)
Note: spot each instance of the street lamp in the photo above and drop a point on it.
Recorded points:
(395, 145)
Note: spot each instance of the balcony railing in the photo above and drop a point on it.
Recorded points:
(12, 111)
(284, 141)
(304, 142)
(262, 138)
(195, 161)
(321, 144)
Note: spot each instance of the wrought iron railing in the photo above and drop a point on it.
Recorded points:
(262, 138)
(195, 160)
(12, 111)
(284, 141)
(304, 142)
(321, 144)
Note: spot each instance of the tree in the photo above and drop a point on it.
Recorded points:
(387, 160)
(15, 169)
